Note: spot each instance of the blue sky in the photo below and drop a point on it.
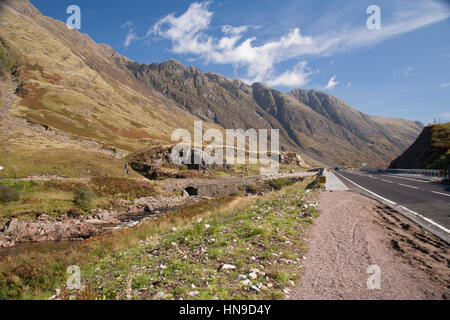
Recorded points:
(400, 70)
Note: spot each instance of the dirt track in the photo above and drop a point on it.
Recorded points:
(355, 232)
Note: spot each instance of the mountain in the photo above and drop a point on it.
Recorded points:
(385, 136)
(61, 93)
(323, 128)
(431, 150)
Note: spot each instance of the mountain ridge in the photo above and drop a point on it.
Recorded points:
(297, 119)
(66, 92)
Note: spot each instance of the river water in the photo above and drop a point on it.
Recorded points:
(126, 221)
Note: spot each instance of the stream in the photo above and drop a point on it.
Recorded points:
(126, 221)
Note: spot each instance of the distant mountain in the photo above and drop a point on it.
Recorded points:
(431, 150)
(61, 93)
(384, 135)
(323, 128)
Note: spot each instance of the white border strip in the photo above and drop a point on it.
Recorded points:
(426, 219)
(442, 194)
(411, 179)
(387, 200)
(404, 208)
(408, 186)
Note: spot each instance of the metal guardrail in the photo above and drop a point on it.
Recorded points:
(423, 172)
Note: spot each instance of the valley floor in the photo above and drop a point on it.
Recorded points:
(294, 243)
(354, 233)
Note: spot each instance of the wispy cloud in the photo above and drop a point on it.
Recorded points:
(297, 77)
(408, 71)
(131, 36)
(331, 83)
(444, 85)
(190, 34)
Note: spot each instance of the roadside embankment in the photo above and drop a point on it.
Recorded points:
(232, 247)
(354, 233)
(37, 226)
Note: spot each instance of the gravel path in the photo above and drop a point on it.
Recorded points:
(355, 232)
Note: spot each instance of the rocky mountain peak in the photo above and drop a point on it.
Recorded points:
(149, 99)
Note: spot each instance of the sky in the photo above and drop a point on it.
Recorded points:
(399, 69)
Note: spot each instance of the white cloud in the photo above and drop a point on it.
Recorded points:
(292, 78)
(331, 83)
(444, 85)
(186, 31)
(131, 36)
(349, 85)
(189, 35)
(408, 71)
(230, 30)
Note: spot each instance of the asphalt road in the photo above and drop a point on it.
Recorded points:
(427, 198)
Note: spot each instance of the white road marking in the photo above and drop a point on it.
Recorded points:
(392, 202)
(411, 179)
(333, 183)
(404, 208)
(386, 181)
(443, 194)
(408, 186)
(426, 219)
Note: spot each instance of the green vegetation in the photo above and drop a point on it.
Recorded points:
(25, 163)
(82, 198)
(6, 59)
(180, 255)
(123, 188)
(8, 195)
(55, 197)
(278, 184)
(440, 147)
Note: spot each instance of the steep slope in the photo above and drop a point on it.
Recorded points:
(314, 133)
(62, 91)
(402, 131)
(431, 150)
(386, 135)
(212, 97)
(332, 133)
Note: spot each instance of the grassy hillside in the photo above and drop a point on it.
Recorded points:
(430, 151)
(181, 255)
(61, 91)
(63, 94)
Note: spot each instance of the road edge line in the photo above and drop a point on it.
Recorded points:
(387, 200)
(440, 193)
(426, 223)
(427, 219)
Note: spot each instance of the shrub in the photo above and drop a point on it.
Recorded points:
(253, 189)
(125, 188)
(278, 184)
(8, 195)
(82, 198)
(74, 213)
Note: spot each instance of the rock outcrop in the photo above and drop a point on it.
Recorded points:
(431, 150)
